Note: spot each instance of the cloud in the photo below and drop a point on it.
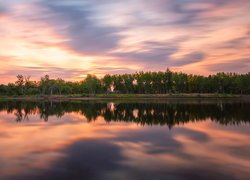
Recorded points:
(123, 36)
(159, 55)
(239, 42)
(2, 10)
(188, 59)
(151, 54)
(112, 70)
(237, 65)
(37, 72)
(83, 33)
(194, 12)
(154, 55)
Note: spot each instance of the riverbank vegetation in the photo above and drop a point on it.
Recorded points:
(167, 82)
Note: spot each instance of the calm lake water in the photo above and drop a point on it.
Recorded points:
(174, 139)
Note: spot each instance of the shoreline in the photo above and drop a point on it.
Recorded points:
(128, 96)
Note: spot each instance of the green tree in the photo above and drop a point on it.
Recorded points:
(92, 84)
(20, 84)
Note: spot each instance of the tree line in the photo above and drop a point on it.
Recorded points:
(136, 83)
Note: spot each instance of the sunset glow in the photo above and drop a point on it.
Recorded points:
(69, 39)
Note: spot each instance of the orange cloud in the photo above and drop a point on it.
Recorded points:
(98, 39)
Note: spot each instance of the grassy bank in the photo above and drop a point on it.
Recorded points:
(124, 96)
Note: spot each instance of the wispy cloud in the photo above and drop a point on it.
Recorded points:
(83, 34)
(78, 37)
(236, 65)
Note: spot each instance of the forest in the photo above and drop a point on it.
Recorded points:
(167, 82)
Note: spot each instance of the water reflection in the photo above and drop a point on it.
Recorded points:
(72, 140)
(144, 113)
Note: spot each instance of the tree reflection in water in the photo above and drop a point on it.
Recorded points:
(168, 113)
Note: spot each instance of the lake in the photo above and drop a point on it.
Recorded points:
(118, 139)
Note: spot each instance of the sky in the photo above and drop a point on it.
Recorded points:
(71, 38)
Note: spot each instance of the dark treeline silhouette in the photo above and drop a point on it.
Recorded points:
(143, 113)
(137, 83)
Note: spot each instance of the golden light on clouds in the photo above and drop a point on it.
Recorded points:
(88, 37)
